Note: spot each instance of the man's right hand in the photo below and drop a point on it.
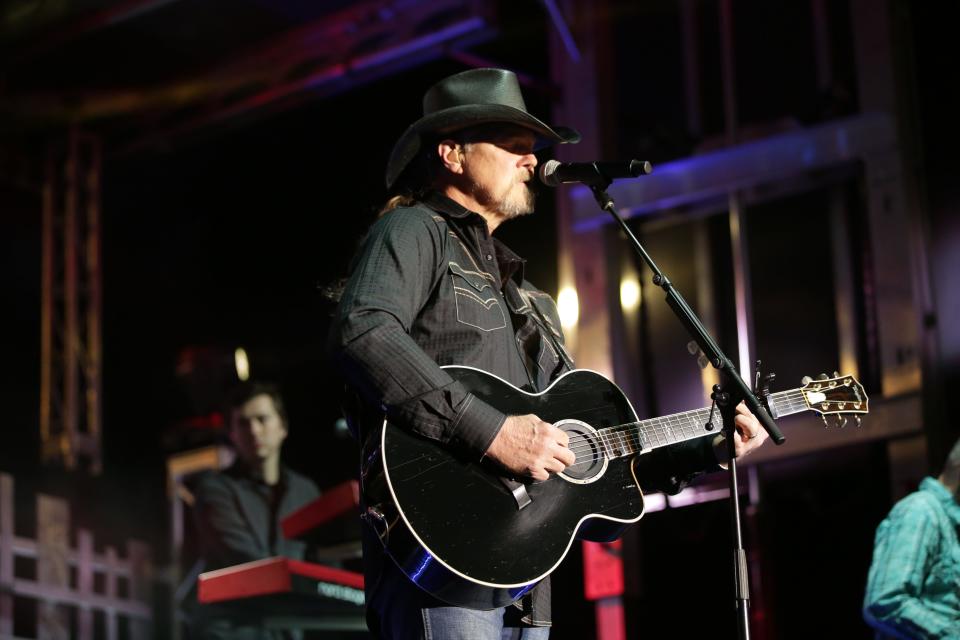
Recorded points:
(528, 446)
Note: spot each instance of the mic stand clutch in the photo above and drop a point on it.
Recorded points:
(727, 395)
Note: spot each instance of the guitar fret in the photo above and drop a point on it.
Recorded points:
(619, 441)
(628, 445)
(607, 442)
(677, 429)
(666, 430)
(643, 439)
(680, 420)
(659, 433)
(671, 433)
(784, 403)
(621, 446)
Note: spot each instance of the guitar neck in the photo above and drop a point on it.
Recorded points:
(631, 438)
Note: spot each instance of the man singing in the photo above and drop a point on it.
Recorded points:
(431, 286)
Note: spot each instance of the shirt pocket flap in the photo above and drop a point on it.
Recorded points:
(478, 281)
(476, 299)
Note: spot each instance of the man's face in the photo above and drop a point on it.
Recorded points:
(257, 430)
(498, 169)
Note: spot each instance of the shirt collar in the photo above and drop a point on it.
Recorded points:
(511, 265)
(943, 495)
(441, 203)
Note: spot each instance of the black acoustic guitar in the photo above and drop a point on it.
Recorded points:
(471, 537)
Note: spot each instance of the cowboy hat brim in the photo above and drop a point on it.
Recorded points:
(469, 115)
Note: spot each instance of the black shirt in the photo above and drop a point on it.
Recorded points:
(431, 287)
(238, 519)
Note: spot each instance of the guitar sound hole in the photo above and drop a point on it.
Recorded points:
(586, 445)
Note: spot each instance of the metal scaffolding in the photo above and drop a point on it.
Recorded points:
(71, 353)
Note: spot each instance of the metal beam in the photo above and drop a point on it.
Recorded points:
(698, 179)
(71, 359)
(336, 53)
(331, 79)
(107, 17)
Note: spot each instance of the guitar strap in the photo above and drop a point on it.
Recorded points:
(538, 315)
(545, 328)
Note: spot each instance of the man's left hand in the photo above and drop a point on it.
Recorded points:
(748, 435)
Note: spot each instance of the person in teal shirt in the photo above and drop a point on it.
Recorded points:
(913, 588)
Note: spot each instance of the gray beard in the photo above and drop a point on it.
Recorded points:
(509, 206)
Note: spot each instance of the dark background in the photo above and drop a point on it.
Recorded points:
(226, 238)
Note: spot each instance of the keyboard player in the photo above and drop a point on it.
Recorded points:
(238, 510)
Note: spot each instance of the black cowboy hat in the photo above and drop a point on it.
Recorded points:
(469, 98)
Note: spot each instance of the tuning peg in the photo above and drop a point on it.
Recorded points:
(823, 376)
(841, 421)
(836, 374)
(805, 380)
(825, 423)
(858, 419)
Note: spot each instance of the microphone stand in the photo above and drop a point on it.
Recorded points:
(726, 395)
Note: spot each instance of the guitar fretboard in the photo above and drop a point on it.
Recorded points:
(627, 439)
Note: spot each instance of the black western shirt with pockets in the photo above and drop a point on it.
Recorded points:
(432, 287)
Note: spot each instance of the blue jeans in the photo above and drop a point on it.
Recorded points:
(443, 623)
(399, 610)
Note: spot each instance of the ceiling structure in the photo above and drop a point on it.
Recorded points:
(145, 73)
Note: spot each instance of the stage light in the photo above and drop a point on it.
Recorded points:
(569, 307)
(629, 294)
(242, 363)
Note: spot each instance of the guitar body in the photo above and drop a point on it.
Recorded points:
(468, 536)
(457, 529)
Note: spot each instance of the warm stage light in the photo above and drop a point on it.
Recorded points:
(629, 294)
(569, 307)
(242, 363)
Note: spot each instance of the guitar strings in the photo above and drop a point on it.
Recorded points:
(664, 428)
(622, 440)
(783, 403)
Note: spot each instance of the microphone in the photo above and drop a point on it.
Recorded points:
(553, 173)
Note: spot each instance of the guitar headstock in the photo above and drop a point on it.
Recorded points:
(838, 396)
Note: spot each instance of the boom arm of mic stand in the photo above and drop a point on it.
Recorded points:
(692, 323)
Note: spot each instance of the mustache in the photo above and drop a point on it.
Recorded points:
(532, 185)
